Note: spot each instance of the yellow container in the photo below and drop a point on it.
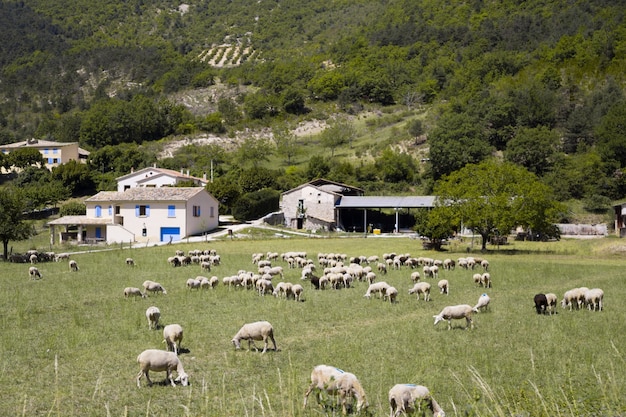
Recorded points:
(376, 231)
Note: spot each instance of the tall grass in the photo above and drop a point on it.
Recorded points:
(69, 341)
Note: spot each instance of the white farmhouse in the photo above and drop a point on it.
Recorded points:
(157, 177)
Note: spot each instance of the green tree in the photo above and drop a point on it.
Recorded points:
(25, 157)
(257, 204)
(340, 132)
(253, 151)
(533, 148)
(395, 166)
(286, 144)
(76, 177)
(12, 223)
(494, 197)
(318, 167)
(611, 134)
(255, 179)
(226, 190)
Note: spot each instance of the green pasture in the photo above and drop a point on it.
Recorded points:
(70, 340)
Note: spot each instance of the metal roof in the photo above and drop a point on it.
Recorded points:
(387, 202)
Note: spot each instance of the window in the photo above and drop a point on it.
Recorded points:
(212, 212)
(171, 211)
(51, 160)
(117, 209)
(55, 151)
(142, 211)
(196, 211)
(46, 151)
(110, 210)
(98, 211)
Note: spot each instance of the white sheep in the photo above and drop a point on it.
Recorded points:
(194, 283)
(173, 337)
(483, 302)
(283, 289)
(552, 301)
(456, 312)
(297, 291)
(408, 398)
(574, 297)
(477, 278)
(391, 293)
(485, 264)
(151, 286)
(33, 272)
(159, 361)
(376, 288)
(33, 258)
(133, 292)
(485, 280)
(60, 256)
(153, 314)
(415, 276)
(73, 266)
(421, 288)
(444, 286)
(264, 286)
(448, 264)
(593, 299)
(335, 381)
(260, 330)
(130, 262)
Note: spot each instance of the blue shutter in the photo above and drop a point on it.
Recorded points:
(110, 210)
(147, 211)
(98, 211)
(171, 211)
(51, 160)
(137, 210)
(198, 211)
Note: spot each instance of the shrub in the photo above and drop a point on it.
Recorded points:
(256, 204)
(73, 208)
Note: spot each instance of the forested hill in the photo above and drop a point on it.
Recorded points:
(539, 82)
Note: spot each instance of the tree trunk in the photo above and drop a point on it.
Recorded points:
(5, 244)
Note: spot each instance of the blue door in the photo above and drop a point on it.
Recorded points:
(98, 232)
(170, 234)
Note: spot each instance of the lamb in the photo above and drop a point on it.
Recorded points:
(444, 287)
(477, 278)
(335, 381)
(541, 303)
(152, 286)
(390, 293)
(483, 302)
(260, 330)
(173, 337)
(593, 299)
(130, 262)
(408, 398)
(456, 312)
(133, 292)
(33, 272)
(159, 361)
(73, 266)
(153, 314)
(552, 300)
(377, 288)
(421, 288)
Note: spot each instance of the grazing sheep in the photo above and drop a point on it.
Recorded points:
(485, 280)
(448, 264)
(456, 312)
(60, 256)
(421, 288)
(477, 278)
(283, 289)
(130, 262)
(33, 272)
(593, 299)
(33, 258)
(205, 266)
(541, 303)
(173, 337)
(444, 287)
(408, 398)
(151, 286)
(415, 276)
(153, 314)
(483, 302)
(159, 361)
(264, 286)
(297, 291)
(376, 288)
(133, 292)
(73, 266)
(574, 297)
(381, 267)
(335, 381)
(193, 283)
(390, 293)
(485, 264)
(552, 300)
(260, 330)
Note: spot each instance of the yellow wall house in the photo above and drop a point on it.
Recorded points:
(54, 153)
(141, 214)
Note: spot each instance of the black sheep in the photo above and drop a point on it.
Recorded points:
(541, 303)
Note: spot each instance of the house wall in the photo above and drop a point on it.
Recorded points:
(156, 217)
(147, 179)
(208, 218)
(318, 204)
(116, 233)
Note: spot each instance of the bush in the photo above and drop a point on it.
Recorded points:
(73, 208)
(257, 204)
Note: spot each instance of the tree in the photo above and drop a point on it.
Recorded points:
(494, 197)
(286, 144)
(253, 151)
(76, 177)
(339, 133)
(12, 224)
(533, 148)
(395, 166)
(25, 157)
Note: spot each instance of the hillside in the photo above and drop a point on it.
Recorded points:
(540, 84)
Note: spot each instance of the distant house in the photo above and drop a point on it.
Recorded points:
(141, 214)
(54, 153)
(620, 219)
(157, 177)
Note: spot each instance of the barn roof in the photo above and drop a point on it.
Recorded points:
(386, 202)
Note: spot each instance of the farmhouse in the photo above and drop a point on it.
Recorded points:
(141, 214)
(54, 153)
(157, 177)
(327, 205)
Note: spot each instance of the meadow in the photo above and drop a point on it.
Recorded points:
(70, 340)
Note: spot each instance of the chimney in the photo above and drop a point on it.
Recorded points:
(187, 172)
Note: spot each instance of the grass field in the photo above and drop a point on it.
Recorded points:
(70, 341)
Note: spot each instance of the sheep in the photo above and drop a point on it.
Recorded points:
(193, 283)
(283, 289)
(173, 337)
(260, 330)
(73, 266)
(541, 303)
(60, 256)
(153, 314)
(133, 292)
(130, 262)
(485, 264)
(448, 264)
(456, 312)
(152, 286)
(415, 276)
(335, 381)
(205, 266)
(377, 288)
(159, 361)
(421, 288)
(174, 261)
(485, 280)
(381, 267)
(390, 293)
(593, 299)
(552, 300)
(444, 287)
(483, 302)
(264, 286)
(33, 272)
(407, 398)
(297, 291)
(575, 295)
(33, 258)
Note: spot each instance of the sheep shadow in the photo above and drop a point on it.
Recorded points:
(182, 351)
